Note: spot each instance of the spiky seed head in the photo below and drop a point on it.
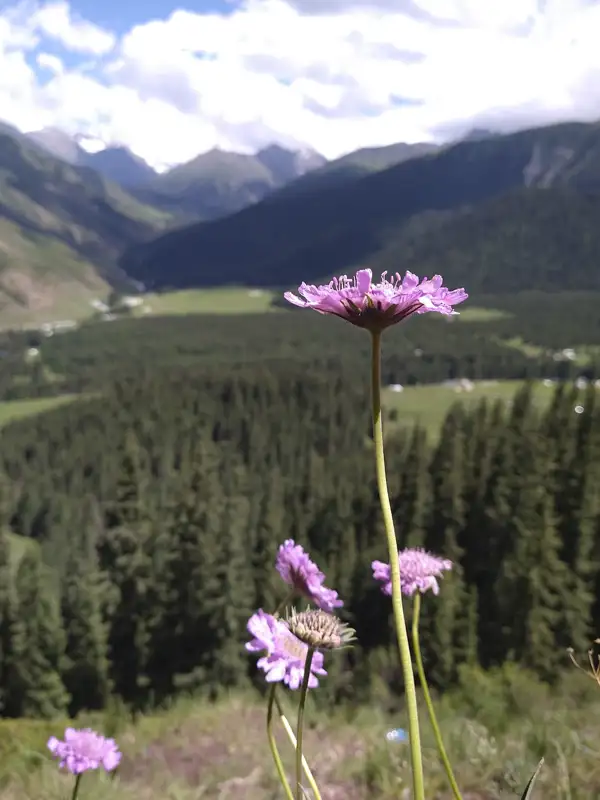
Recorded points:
(319, 629)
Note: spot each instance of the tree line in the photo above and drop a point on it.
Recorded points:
(518, 343)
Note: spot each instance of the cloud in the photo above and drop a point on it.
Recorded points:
(50, 62)
(335, 74)
(426, 11)
(56, 21)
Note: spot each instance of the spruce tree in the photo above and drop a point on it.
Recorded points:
(86, 667)
(413, 502)
(124, 553)
(576, 483)
(533, 583)
(7, 619)
(446, 617)
(231, 605)
(35, 687)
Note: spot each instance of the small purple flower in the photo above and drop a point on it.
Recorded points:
(83, 750)
(376, 306)
(298, 570)
(285, 654)
(418, 571)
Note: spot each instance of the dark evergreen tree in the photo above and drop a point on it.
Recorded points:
(86, 666)
(34, 686)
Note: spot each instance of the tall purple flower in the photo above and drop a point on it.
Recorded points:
(285, 655)
(419, 571)
(376, 306)
(298, 570)
(83, 750)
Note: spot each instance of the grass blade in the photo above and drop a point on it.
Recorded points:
(528, 793)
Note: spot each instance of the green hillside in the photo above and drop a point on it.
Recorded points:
(62, 230)
(313, 234)
(352, 166)
(219, 182)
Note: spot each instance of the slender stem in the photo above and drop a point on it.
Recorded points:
(288, 729)
(283, 603)
(273, 745)
(400, 622)
(76, 787)
(428, 702)
(300, 726)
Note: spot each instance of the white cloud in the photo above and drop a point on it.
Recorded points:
(336, 74)
(50, 62)
(57, 21)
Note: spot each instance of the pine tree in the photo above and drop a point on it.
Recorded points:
(86, 666)
(533, 584)
(124, 553)
(445, 617)
(7, 619)
(232, 604)
(575, 483)
(35, 688)
(412, 504)
(181, 641)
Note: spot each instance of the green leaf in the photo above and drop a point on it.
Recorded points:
(528, 793)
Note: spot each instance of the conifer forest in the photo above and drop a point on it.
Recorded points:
(147, 514)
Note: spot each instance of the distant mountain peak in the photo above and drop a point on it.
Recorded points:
(286, 164)
(478, 134)
(58, 143)
(119, 164)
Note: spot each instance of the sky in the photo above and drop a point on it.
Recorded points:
(170, 81)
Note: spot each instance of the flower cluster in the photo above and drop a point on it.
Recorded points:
(419, 571)
(376, 306)
(84, 750)
(285, 657)
(286, 643)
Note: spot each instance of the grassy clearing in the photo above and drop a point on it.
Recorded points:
(227, 300)
(586, 354)
(495, 737)
(428, 405)
(12, 410)
(477, 314)
(19, 545)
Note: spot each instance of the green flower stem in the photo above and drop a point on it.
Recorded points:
(400, 622)
(288, 729)
(76, 787)
(428, 702)
(289, 596)
(273, 745)
(300, 726)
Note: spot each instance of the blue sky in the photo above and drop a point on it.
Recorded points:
(121, 15)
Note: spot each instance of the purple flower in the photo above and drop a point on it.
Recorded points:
(298, 570)
(84, 750)
(418, 571)
(285, 654)
(376, 306)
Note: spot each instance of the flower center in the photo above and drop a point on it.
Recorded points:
(90, 746)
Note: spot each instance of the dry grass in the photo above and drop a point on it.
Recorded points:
(198, 750)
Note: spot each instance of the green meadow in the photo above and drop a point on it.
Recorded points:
(496, 726)
(12, 410)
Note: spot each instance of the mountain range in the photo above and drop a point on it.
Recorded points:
(495, 212)
(510, 206)
(67, 215)
(213, 184)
